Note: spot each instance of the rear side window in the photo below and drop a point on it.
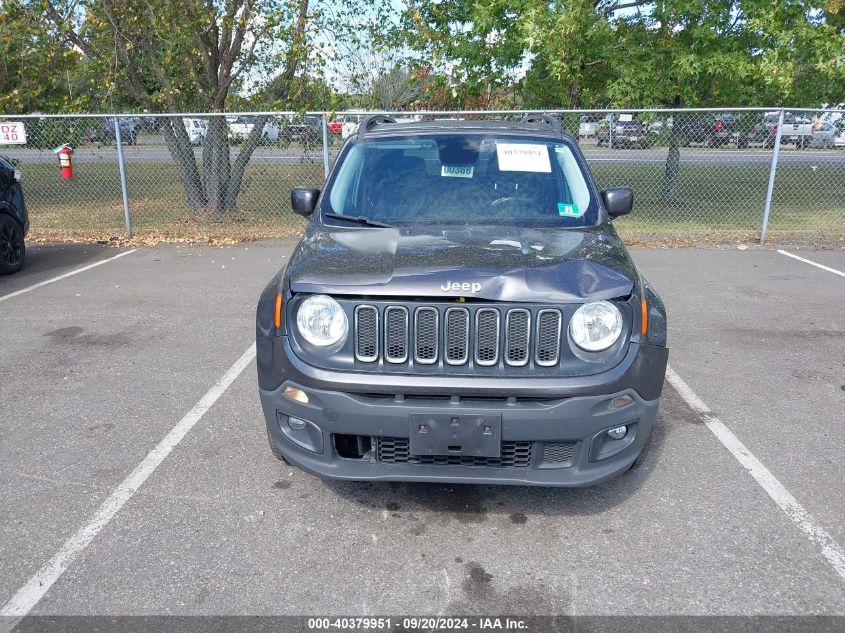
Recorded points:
(463, 179)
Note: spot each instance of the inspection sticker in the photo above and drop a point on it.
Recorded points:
(457, 171)
(569, 210)
(523, 157)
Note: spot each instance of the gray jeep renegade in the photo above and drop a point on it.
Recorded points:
(461, 309)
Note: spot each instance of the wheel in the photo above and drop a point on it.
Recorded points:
(599, 142)
(273, 449)
(12, 247)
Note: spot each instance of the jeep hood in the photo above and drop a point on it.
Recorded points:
(492, 262)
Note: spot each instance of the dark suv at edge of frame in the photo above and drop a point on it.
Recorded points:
(461, 309)
(14, 220)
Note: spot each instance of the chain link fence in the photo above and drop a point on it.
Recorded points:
(698, 175)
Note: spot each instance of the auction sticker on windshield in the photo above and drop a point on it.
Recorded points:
(523, 157)
(12, 134)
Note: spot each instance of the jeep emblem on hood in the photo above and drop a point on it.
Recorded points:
(465, 286)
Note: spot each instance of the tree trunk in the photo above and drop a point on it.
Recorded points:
(179, 145)
(239, 167)
(216, 165)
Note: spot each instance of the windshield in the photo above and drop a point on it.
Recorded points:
(462, 179)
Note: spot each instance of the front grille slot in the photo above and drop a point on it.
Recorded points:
(366, 333)
(395, 450)
(457, 336)
(487, 336)
(427, 339)
(548, 338)
(396, 334)
(517, 332)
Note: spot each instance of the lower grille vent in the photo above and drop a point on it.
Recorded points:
(396, 450)
(559, 453)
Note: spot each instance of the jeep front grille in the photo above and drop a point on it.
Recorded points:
(485, 336)
(396, 450)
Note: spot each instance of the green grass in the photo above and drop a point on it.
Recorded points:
(91, 203)
(721, 202)
(728, 200)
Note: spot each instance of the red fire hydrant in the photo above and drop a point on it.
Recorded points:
(65, 153)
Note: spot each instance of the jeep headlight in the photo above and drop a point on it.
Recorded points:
(322, 321)
(596, 326)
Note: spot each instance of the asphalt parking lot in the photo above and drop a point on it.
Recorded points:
(98, 367)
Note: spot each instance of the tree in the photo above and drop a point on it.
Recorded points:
(173, 57)
(635, 53)
(638, 53)
(37, 70)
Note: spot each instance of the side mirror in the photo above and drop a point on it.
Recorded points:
(304, 200)
(618, 201)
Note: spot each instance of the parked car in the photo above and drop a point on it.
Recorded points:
(839, 139)
(14, 220)
(587, 125)
(764, 132)
(659, 124)
(797, 130)
(627, 132)
(461, 309)
(306, 130)
(197, 130)
(823, 136)
(710, 130)
(106, 133)
(350, 124)
(241, 127)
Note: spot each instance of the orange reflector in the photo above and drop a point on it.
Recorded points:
(645, 318)
(296, 394)
(277, 320)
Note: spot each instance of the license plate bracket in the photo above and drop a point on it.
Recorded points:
(453, 434)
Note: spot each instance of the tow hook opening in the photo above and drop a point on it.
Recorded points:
(352, 446)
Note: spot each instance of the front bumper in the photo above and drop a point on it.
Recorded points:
(563, 442)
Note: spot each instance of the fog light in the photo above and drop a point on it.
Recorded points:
(297, 425)
(296, 394)
(617, 433)
(621, 401)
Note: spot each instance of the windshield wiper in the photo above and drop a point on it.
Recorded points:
(358, 219)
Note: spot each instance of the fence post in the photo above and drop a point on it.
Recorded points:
(610, 133)
(325, 145)
(772, 171)
(122, 169)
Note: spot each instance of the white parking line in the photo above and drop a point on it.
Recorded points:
(35, 588)
(66, 275)
(830, 549)
(812, 263)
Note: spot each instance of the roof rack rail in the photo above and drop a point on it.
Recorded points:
(541, 117)
(371, 121)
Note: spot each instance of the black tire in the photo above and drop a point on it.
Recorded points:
(12, 245)
(273, 449)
